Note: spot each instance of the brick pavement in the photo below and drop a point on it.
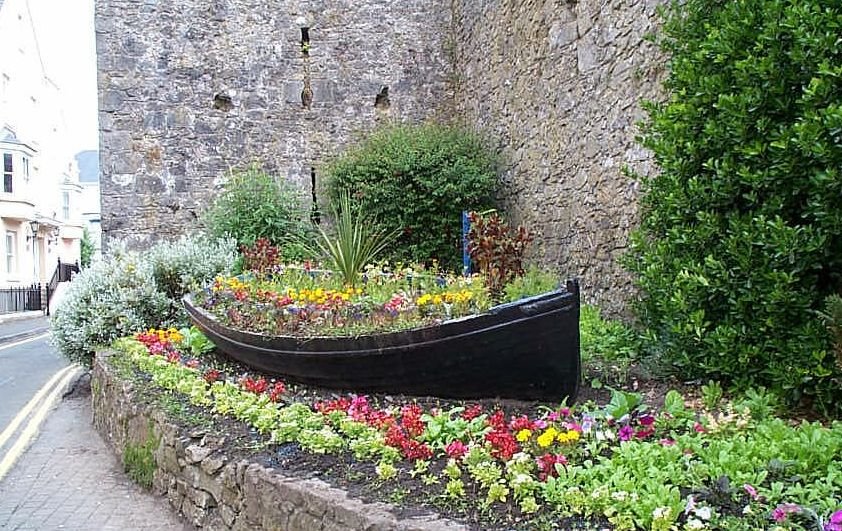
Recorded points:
(70, 480)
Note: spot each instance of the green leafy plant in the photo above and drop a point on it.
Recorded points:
(254, 204)
(497, 250)
(195, 342)
(712, 394)
(622, 403)
(86, 248)
(419, 179)
(356, 243)
(741, 230)
(832, 317)
(606, 338)
(533, 282)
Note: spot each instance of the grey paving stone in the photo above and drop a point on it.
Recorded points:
(69, 480)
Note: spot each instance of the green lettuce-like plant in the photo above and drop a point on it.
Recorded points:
(356, 241)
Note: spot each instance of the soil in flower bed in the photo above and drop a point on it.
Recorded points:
(407, 492)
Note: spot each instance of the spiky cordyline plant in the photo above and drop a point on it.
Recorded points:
(357, 241)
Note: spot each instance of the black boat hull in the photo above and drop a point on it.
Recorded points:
(526, 350)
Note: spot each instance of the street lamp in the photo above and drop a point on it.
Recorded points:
(33, 226)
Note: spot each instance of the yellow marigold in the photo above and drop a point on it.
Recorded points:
(424, 299)
(437, 299)
(547, 438)
(523, 435)
(572, 435)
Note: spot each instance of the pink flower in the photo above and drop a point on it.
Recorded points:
(667, 442)
(699, 428)
(646, 420)
(780, 512)
(456, 449)
(625, 433)
(553, 416)
(751, 491)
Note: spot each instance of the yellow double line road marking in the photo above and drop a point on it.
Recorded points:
(52, 390)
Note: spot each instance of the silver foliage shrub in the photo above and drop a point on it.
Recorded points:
(133, 291)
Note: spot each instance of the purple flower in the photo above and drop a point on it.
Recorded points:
(751, 491)
(625, 433)
(646, 420)
(835, 522)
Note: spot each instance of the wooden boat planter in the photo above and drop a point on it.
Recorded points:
(527, 349)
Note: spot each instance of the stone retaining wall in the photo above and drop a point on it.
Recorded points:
(217, 491)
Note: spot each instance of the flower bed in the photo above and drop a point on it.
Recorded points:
(622, 464)
(296, 300)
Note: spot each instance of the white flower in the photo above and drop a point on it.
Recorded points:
(661, 513)
(620, 495)
(702, 512)
(693, 524)
(748, 510)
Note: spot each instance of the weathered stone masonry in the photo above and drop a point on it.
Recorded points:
(557, 84)
(191, 89)
(217, 491)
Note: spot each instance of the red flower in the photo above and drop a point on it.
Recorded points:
(276, 391)
(173, 357)
(456, 449)
(521, 423)
(471, 412)
(411, 420)
(503, 444)
(211, 375)
(547, 463)
(192, 364)
(254, 386)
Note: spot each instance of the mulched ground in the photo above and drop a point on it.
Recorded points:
(409, 495)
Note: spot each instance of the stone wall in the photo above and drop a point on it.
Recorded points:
(556, 84)
(188, 90)
(191, 89)
(213, 490)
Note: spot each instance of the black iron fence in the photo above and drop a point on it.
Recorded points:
(20, 299)
(63, 273)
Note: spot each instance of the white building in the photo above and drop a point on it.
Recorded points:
(40, 217)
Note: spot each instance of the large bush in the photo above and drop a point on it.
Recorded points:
(418, 179)
(741, 236)
(254, 204)
(132, 291)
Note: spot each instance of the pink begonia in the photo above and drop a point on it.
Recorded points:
(553, 416)
(780, 512)
(667, 442)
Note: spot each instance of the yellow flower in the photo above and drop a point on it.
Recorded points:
(437, 299)
(547, 438)
(572, 435)
(523, 435)
(562, 438)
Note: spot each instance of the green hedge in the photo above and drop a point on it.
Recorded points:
(741, 235)
(418, 179)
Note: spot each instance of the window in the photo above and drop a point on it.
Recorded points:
(65, 205)
(11, 242)
(26, 169)
(7, 173)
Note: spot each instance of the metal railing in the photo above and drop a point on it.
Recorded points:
(21, 299)
(63, 273)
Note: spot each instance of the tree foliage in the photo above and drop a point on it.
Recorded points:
(741, 235)
(420, 179)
